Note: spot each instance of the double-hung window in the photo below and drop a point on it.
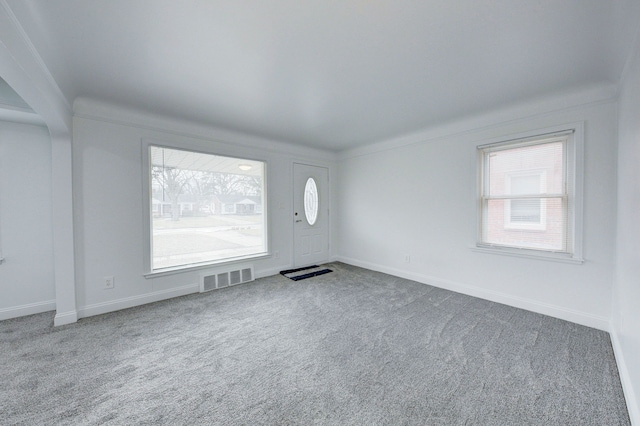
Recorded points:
(203, 208)
(528, 197)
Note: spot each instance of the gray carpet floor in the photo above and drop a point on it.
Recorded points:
(350, 347)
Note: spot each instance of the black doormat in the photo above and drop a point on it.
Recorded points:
(304, 273)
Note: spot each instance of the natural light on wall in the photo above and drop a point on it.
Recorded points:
(205, 208)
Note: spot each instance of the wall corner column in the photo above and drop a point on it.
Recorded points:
(63, 236)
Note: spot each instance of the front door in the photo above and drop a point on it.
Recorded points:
(310, 214)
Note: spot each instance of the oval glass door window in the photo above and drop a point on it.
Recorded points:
(311, 201)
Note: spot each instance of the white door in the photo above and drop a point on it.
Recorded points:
(310, 214)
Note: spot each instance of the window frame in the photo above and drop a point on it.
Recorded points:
(147, 210)
(574, 164)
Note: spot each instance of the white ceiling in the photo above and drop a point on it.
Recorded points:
(330, 74)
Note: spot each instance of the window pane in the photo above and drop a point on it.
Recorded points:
(526, 211)
(525, 184)
(530, 162)
(311, 201)
(525, 231)
(524, 201)
(205, 208)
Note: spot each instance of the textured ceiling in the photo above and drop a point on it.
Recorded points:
(329, 74)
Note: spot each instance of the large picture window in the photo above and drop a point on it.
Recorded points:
(528, 194)
(204, 208)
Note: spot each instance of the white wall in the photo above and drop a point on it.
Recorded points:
(26, 235)
(418, 198)
(108, 201)
(626, 317)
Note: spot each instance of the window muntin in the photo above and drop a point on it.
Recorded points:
(525, 199)
(204, 208)
(311, 204)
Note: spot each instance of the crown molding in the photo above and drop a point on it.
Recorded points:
(93, 109)
(35, 55)
(590, 96)
(22, 67)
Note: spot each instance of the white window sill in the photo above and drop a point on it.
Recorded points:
(529, 254)
(199, 266)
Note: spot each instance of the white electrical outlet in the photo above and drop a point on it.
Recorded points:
(407, 258)
(108, 282)
(276, 254)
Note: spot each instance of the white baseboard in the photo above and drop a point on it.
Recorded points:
(64, 318)
(28, 309)
(583, 318)
(130, 302)
(271, 271)
(627, 384)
